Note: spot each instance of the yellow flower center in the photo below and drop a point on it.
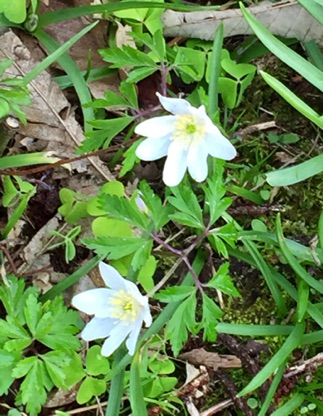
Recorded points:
(189, 130)
(125, 307)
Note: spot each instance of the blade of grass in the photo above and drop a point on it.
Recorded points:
(290, 406)
(272, 390)
(14, 216)
(303, 296)
(303, 253)
(292, 99)
(95, 74)
(312, 338)
(17, 161)
(312, 310)
(294, 264)
(45, 63)
(116, 387)
(314, 53)
(263, 267)
(245, 193)
(70, 280)
(136, 396)
(283, 52)
(72, 13)
(72, 70)
(320, 230)
(292, 342)
(254, 330)
(215, 71)
(315, 9)
(296, 174)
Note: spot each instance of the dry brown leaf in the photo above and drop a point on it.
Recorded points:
(212, 360)
(45, 114)
(90, 43)
(285, 18)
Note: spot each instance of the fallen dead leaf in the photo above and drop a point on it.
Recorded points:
(211, 360)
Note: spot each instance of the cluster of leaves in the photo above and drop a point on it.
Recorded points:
(192, 64)
(16, 195)
(37, 345)
(13, 94)
(125, 230)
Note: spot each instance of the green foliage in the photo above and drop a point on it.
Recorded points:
(93, 384)
(14, 94)
(148, 17)
(234, 80)
(70, 250)
(74, 205)
(15, 10)
(16, 195)
(182, 323)
(188, 208)
(156, 377)
(28, 322)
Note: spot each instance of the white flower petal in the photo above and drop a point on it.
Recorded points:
(218, 145)
(116, 338)
(153, 148)
(111, 277)
(146, 314)
(132, 288)
(197, 161)
(175, 165)
(98, 328)
(93, 302)
(174, 105)
(156, 127)
(133, 337)
(201, 114)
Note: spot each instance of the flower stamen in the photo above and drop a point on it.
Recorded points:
(124, 306)
(189, 130)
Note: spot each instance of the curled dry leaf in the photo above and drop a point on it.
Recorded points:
(202, 25)
(211, 360)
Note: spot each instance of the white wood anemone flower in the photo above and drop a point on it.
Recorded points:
(187, 138)
(119, 311)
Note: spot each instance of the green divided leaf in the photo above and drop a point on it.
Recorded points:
(159, 213)
(8, 361)
(56, 363)
(32, 313)
(114, 247)
(185, 201)
(174, 293)
(182, 322)
(210, 315)
(14, 297)
(107, 130)
(222, 281)
(127, 56)
(123, 209)
(32, 391)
